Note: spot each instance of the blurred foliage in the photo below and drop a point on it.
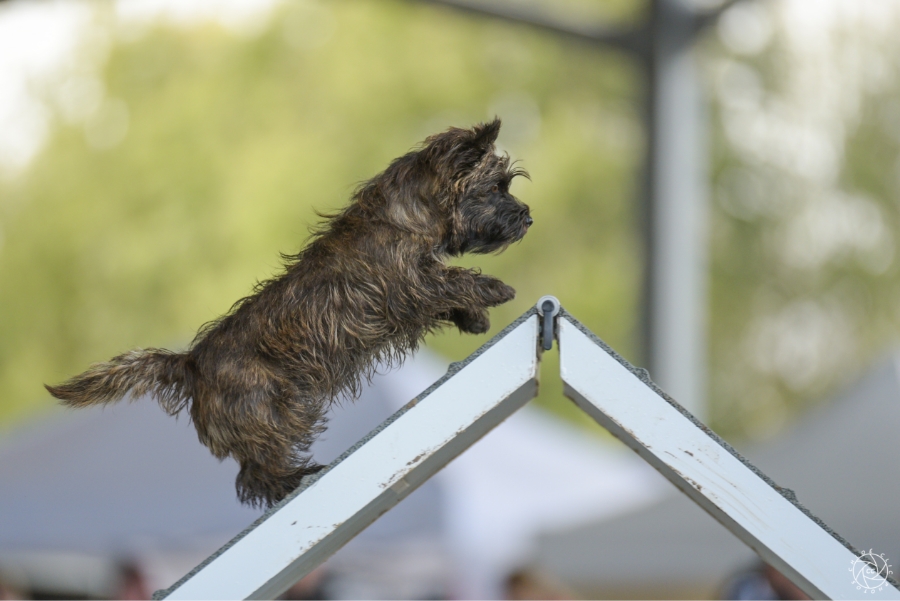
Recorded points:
(805, 213)
(234, 141)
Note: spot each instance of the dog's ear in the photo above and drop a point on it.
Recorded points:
(484, 135)
(460, 150)
(476, 143)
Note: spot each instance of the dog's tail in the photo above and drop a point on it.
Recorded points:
(166, 375)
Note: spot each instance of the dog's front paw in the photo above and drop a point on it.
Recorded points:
(495, 292)
(471, 322)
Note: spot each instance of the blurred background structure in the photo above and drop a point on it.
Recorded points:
(156, 155)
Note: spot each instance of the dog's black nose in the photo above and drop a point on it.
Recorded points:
(529, 220)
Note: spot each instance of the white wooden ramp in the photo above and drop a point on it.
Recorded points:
(332, 507)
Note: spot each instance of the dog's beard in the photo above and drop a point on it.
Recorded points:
(495, 235)
(486, 248)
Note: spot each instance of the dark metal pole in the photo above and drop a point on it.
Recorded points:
(675, 209)
(672, 212)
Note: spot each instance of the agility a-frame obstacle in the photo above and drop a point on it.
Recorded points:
(332, 507)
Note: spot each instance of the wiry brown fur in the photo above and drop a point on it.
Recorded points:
(368, 287)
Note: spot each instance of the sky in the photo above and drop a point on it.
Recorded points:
(54, 48)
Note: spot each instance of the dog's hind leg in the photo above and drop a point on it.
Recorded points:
(267, 484)
(267, 427)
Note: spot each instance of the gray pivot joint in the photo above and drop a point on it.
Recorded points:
(548, 306)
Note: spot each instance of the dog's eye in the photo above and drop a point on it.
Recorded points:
(495, 189)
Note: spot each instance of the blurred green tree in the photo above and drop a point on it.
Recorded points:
(211, 152)
(805, 218)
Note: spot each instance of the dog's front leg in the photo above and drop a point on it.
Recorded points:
(493, 291)
(468, 322)
(469, 289)
(468, 294)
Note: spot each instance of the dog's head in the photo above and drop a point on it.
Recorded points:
(471, 189)
(453, 191)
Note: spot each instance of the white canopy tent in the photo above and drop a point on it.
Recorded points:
(81, 491)
(840, 460)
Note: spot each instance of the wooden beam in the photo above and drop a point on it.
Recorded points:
(766, 517)
(306, 528)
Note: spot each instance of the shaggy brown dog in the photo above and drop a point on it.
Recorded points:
(368, 287)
